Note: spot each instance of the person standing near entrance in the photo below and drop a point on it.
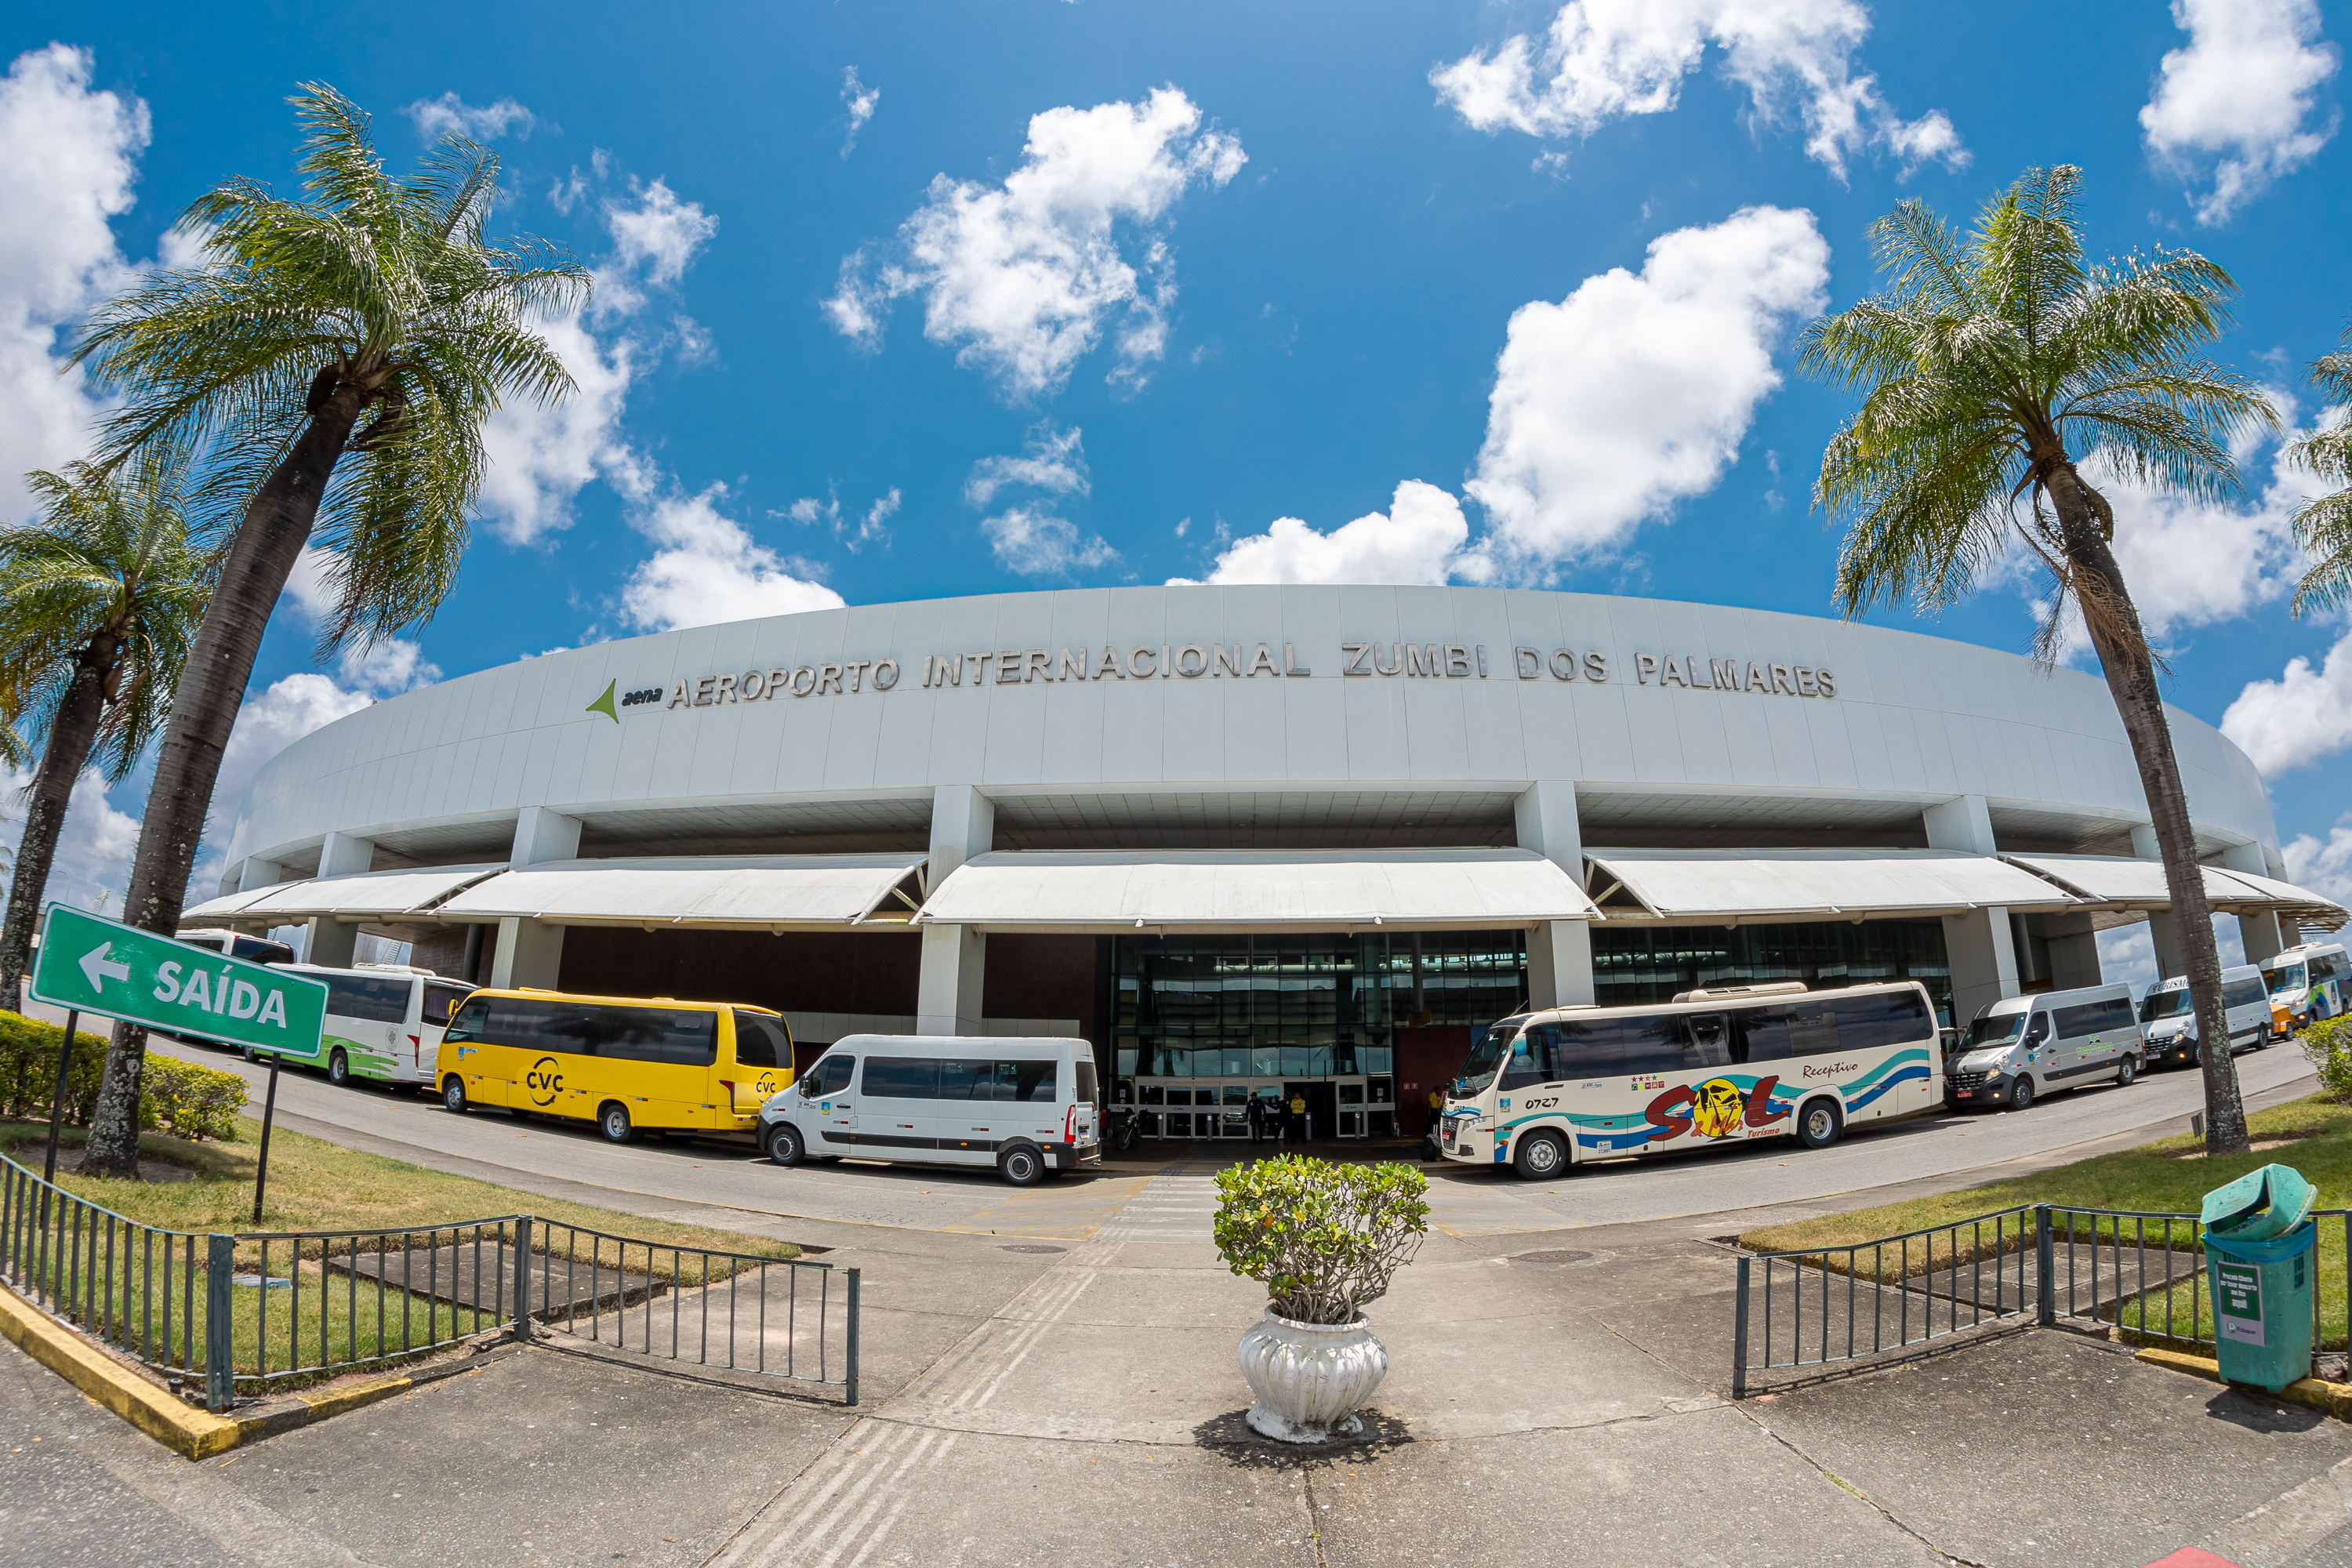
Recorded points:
(1299, 1117)
(1257, 1116)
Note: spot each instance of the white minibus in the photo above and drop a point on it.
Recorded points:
(2309, 982)
(237, 944)
(2168, 1021)
(1542, 1090)
(1024, 1106)
(2023, 1047)
(384, 1021)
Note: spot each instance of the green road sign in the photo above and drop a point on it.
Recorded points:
(117, 970)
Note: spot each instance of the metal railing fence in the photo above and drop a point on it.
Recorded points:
(248, 1313)
(2139, 1273)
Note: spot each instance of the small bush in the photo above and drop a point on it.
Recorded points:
(2329, 1047)
(1323, 1239)
(194, 1103)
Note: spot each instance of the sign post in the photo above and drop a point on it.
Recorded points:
(91, 965)
(58, 1100)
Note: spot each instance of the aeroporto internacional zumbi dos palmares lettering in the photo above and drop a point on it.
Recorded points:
(1193, 661)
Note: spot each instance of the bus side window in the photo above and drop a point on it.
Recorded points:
(1895, 1018)
(440, 999)
(467, 1025)
(1707, 1042)
(760, 1042)
(1534, 1059)
(1792, 1030)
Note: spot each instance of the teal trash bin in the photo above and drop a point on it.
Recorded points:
(2259, 1264)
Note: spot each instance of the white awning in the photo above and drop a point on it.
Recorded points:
(1730, 885)
(751, 893)
(370, 895)
(1246, 890)
(2128, 883)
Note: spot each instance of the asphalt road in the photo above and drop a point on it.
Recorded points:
(1468, 1201)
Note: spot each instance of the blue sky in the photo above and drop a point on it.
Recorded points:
(1273, 263)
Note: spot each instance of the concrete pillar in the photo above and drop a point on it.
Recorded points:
(343, 855)
(331, 941)
(2266, 936)
(1979, 946)
(254, 874)
(529, 953)
(2163, 930)
(955, 958)
(1560, 953)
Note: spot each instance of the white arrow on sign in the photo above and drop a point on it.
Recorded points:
(94, 964)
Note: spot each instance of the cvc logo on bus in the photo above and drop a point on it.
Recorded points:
(545, 1081)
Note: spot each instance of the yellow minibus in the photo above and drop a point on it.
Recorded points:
(625, 1063)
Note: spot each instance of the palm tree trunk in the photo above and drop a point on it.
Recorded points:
(2131, 680)
(204, 711)
(73, 731)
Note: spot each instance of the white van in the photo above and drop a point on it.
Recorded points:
(1024, 1106)
(2021, 1048)
(384, 1021)
(238, 944)
(2169, 1021)
(2309, 982)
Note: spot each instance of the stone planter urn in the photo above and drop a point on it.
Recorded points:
(1310, 1378)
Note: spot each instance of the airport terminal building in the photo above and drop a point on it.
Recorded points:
(1246, 837)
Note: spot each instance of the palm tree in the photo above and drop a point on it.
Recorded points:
(2323, 527)
(371, 320)
(1992, 366)
(98, 605)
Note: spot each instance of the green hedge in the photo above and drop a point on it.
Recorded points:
(180, 1098)
(2329, 1045)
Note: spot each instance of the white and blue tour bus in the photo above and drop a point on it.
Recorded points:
(1543, 1091)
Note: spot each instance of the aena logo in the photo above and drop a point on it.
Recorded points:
(545, 1081)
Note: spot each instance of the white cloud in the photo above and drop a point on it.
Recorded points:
(1603, 59)
(1026, 276)
(2323, 865)
(266, 725)
(709, 569)
(1038, 543)
(541, 459)
(1636, 391)
(861, 101)
(92, 862)
(853, 529)
(69, 157)
(1051, 460)
(2301, 716)
(388, 668)
(2237, 105)
(449, 115)
(1417, 539)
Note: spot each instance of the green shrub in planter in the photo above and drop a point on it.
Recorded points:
(182, 1098)
(2329, 1047)
(1323, 1239)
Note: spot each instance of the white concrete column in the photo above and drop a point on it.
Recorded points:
(254, 874)
(955, 958)
(2266, 936)
(2163, 930)
(1560, 953)
(1979, 946)
(331, 941)
(529, 953)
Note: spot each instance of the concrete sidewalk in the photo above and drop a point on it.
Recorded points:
(1551, 1396)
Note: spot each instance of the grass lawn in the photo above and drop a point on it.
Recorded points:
(2152, 1178)
(325, 1306)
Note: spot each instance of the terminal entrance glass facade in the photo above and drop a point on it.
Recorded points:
(1203, 1024)
(1649, 963)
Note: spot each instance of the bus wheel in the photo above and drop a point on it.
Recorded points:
(338, 1070)
(453, 1095)
(2125, 1069)
(1021, 1165)
(614, 1123)
(1818, 1124)
(1541, 1157)
(784, 1145)
(2022, 1097)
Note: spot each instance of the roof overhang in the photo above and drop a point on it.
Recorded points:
(408, 894)
(1738, 887)
(760, 892)
(2123, 885)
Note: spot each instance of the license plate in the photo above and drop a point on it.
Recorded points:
(1965, 1093)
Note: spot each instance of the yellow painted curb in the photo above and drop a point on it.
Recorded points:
(2335, 1398)
(198, 1434)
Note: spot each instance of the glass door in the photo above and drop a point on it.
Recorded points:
(1350, 1106)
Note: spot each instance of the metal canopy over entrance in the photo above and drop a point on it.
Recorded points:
(2120, 885)
(1240, 890)
(370, 895)
(764, 892)
(1728, 886)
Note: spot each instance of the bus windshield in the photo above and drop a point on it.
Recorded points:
(1993, 1031)
(2285, 977)
(2163, 1005)
(1486, 1056)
